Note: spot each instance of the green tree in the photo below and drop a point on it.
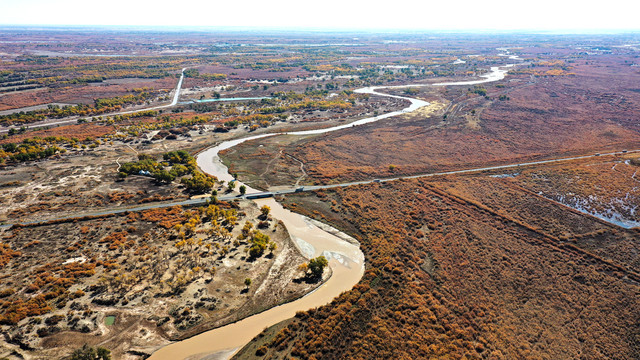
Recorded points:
(411, 91)
(199, 183)
(86, 352)
(259, 243)
(179, 170)
(247, 282)
(164, 176)
(317, 265)
(243, 189)
(273, 246)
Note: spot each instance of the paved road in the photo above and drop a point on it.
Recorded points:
(49, 123)
(291, 190)
(466, 171)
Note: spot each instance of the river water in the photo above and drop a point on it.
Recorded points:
(345, 259)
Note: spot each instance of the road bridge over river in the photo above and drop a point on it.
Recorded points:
(197, 201)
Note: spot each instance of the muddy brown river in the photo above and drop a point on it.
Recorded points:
(345, 259)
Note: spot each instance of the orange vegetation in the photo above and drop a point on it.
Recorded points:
(453, 278)
(6, 254)
(48, 282)
(79, 131)
(552, 117)
(165, 217)
(607, 185)
(116, 240)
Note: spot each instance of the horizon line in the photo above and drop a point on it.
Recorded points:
(201, 28)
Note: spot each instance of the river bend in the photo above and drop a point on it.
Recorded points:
(345, 259)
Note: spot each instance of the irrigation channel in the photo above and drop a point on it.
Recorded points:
(345, 259)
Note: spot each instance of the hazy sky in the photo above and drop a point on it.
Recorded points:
(394, 14)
